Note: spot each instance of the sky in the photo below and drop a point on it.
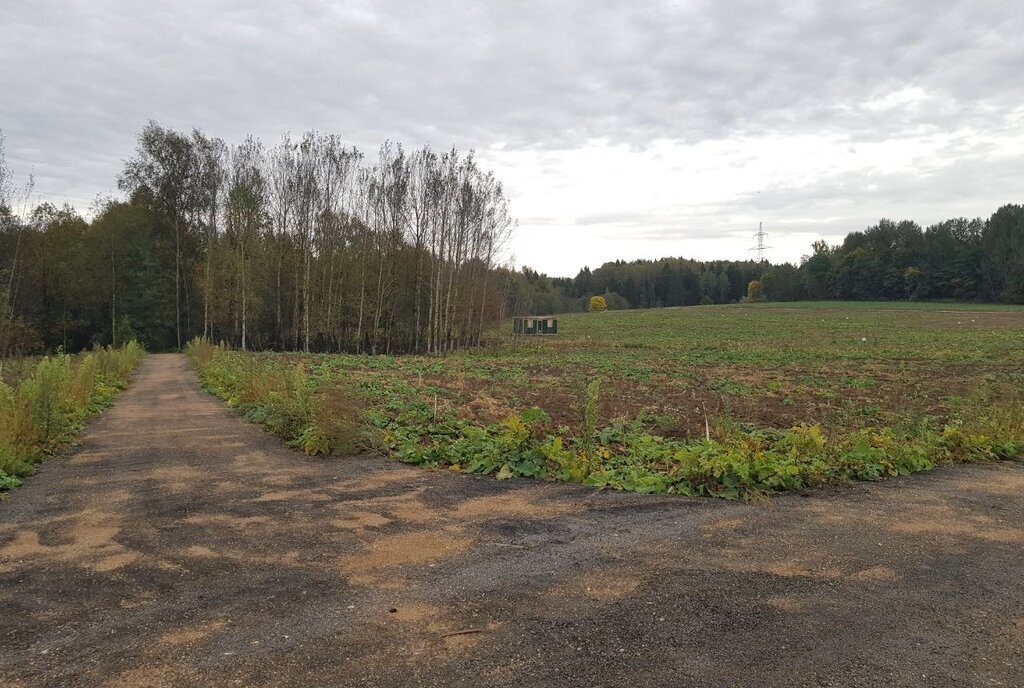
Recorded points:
(621, 130)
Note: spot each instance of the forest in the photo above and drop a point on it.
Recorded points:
(303, 245)
(961, 260)
(307, 245)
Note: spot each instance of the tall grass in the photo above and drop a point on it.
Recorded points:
(315, 415)
(42, 413)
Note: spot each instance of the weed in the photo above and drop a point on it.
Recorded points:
(762, 399)
(42, 412)
(588, 399)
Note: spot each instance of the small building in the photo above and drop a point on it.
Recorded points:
(535, 324)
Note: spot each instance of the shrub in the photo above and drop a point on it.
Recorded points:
(587, 399)
(315, 416)
(337, 423)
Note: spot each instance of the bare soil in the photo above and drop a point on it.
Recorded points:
(181, 546)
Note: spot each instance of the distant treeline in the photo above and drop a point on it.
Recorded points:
(954, 260)
(302, 245)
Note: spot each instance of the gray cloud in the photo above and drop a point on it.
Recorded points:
(79, 80)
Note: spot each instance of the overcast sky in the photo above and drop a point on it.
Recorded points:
(621, 129)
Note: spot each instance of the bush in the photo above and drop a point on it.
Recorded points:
(315, 416)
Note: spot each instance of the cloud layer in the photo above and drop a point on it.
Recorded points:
(623, 129)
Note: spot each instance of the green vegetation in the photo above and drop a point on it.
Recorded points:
(43, 407)
(958, 259)
(308, 245)
(302, 245)
(723, 401)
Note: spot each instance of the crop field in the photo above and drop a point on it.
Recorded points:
(728, 401)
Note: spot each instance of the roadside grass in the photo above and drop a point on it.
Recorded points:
(14, 370)
(726, 401)
(49, 403)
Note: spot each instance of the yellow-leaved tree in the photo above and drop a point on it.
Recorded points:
(598, 304)
(754, 291)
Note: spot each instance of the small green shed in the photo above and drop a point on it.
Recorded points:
(535, 324)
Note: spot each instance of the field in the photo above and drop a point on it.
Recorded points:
(727, 401)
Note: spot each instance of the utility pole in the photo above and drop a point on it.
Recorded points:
(760, 246)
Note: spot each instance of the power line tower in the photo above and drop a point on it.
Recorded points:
(760, 246)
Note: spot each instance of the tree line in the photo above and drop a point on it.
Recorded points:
(303, 245)
(960, 259)
(306, 245)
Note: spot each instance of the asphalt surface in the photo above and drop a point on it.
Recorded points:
(180, 546)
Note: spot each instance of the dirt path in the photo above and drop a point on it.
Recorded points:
(180, 546)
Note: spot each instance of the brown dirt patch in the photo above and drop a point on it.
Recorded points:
(289, 495)
(726, 524)
(942, 520)
(511, 504)
(791, 570)
(405, 549)
(227, 520)
(1001, 480)
(381, 479)
(177, 474)
(598, 586)
(360, 520)
(487, 410)
(92, 545)
(89, 457)
(191, 634)
(153, 677)
(115, 561)
(876, 573)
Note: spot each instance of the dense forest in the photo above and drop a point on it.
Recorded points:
(305, 245)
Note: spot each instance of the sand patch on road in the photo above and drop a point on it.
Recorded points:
(404, 549)
(376, 564)
(227, 520)
(360, 520)
(92, 545)
(791, 570)
(876, 573)
(284, 495)
(598, 586)
(191, 634)
(154, 677)
(943, 520)
(517, 503)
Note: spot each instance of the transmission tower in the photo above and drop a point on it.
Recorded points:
(760, 246)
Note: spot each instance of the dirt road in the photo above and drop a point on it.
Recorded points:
(181, 546)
